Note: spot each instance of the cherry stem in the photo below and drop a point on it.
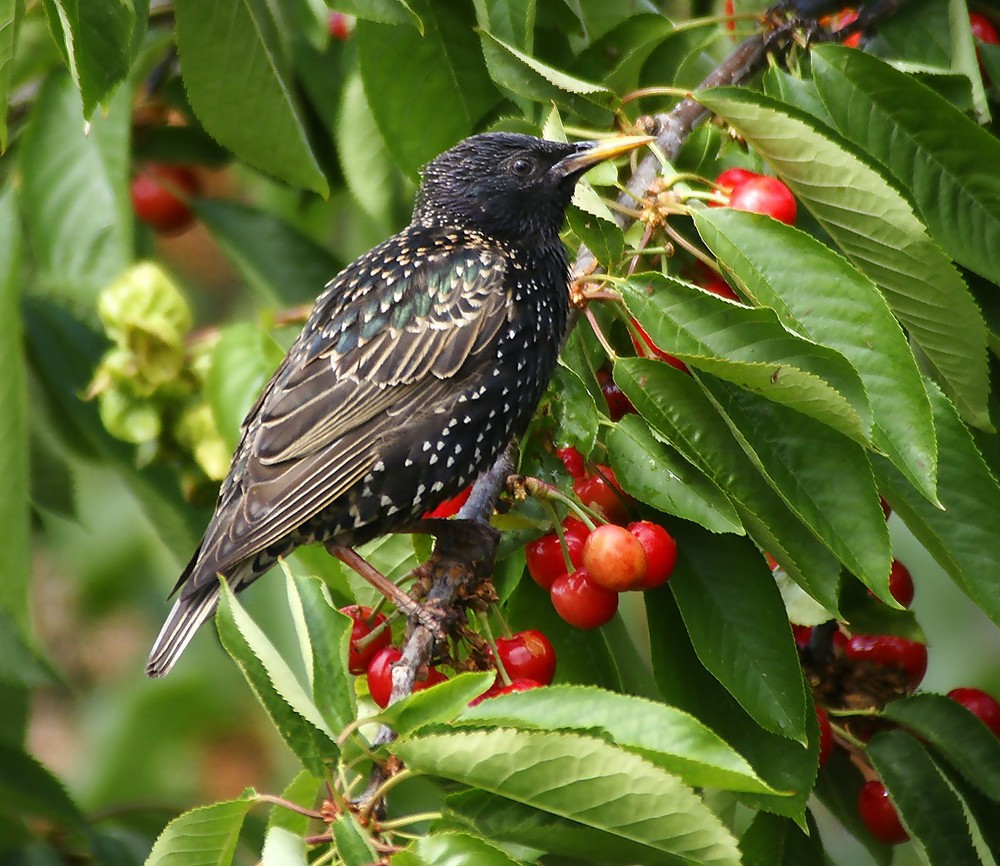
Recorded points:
(592, 319)
(288, 804)
(541, 490)
(485, 623)
(682, 241)
(561, 535)
(379, 796)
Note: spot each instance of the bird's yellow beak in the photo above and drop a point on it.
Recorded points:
(589, 153)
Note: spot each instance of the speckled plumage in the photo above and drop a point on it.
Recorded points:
(418, 364)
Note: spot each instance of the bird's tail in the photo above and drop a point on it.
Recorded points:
(188, 612)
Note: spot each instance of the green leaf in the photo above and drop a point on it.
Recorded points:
(353, 844)
(817, 293)
(956, 733)
(962, 536)
(740, 630)
(539, 82)
(95, 40)
(677, 409)
(368, 167)
(940, 156)
(877, 230)
(240, 91)
(202, 837)
(771, 840)
(750, 348)
(583, 779)
(602, 237)
(15, 517)
(835, 497)
(281, 264)
(11, 13)
(440, 703)
(684, 681)
(928, 806)
(383, 11)
(460, 849)
(656, 474)
(75, 193)
(664, 735)
(435, 82)
(294, 715)
(510, 20)
(30, 789)
(328, 634)
(574, 409)
(241, 363)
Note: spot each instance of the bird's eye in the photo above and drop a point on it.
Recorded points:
(522, 166)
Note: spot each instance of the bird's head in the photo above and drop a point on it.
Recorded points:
(513, 187)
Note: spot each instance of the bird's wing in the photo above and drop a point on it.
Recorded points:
(379, 350)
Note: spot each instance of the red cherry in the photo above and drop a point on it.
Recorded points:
(730, 21)
(886, 507)
(983, 29)
(890, 651)
(718, 286)
(380, 676)
(879, 815)
(765, 195)
(528, 655)
(841, 20)
(572, 460)
(618, 404)
(582, 602)
(979, 704)
(521, 684)
(339, 26)
(901, 584)
(544, 555)
(615, 558)
(365, 623)
(734, 177)
(159, 194)
(645, 347)
(802, 635)
(450, 507)
(772, 563)
(661, 552)
(605, 496)
(825, 735)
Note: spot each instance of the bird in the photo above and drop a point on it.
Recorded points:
(418, 364)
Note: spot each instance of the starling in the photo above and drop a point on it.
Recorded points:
(418, 364)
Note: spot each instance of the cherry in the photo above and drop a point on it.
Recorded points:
(886, 507)
(841, 20)
(734, 177)
(159, 193)
(718, 286)
(528, 655)
(983, 29)
(572, 460)
(522, 684)
(615, 558)
(645, 347)
(890, 651)
(901, 584)
(582, 602)
(544, 555)
(602, 492)
(661, 552)
(765, 195)
(380, 676)
(879, 815)
(772, 563)
(979, 704)
(339, 26)
(802, 635)
(365, 622)
(825, 735)
(618, 404)
(730, 20)
(450, 507)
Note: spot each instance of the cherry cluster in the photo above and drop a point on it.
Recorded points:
(584, 568)
(524, 660)
(891, 664)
